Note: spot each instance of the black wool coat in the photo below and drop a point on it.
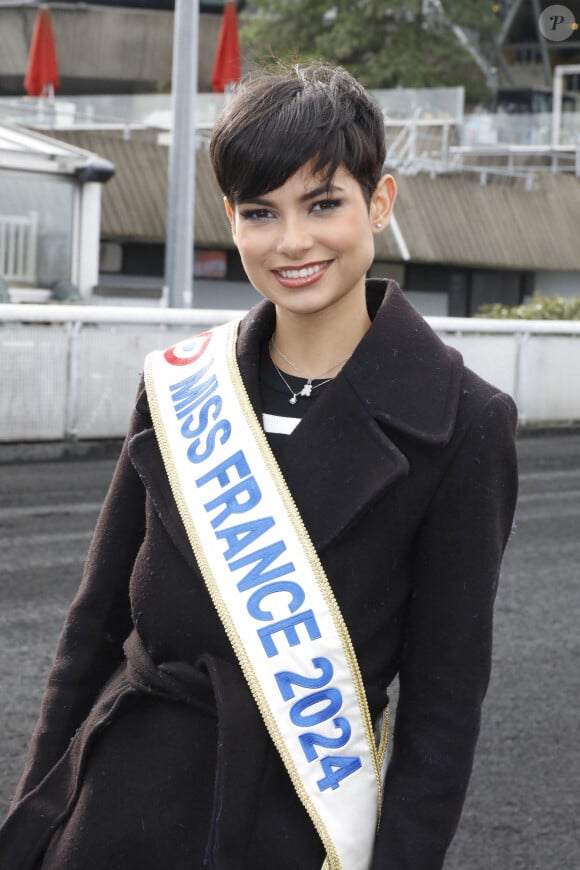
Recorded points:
(149, 752)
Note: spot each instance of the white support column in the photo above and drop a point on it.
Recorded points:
(179, 244)
(557, 106)
(557, 94)
(88, 237)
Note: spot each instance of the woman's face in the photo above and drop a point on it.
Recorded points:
(307, 245)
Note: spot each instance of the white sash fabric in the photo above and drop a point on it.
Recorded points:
(269, 588)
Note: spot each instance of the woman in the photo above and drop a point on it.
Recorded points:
(171, 734)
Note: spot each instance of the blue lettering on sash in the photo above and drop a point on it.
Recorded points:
(254, 604)
(288, 628)
(198, 453)
(187, 394)
(203, 418)
(240, 536)
(238, 499)
(198, 406)
(220, 472)
(263, 557)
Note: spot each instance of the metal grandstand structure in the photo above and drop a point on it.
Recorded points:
(490, 144)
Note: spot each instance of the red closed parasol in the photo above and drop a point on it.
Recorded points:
(42, 71)
(227, 63)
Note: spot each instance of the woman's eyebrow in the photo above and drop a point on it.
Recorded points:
(319, 191)
(256, 200)
(310, 194)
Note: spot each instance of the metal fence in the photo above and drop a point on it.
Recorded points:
(71, 372)
(18, 242)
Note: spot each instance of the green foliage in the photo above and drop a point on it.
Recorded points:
(384, 46)
(540, 308)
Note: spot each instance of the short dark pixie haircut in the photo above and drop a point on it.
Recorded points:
(276, 122)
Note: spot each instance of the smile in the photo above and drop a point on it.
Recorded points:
(303, 275)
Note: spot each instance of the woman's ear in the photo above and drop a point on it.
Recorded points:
(382, 202)
(230, 211)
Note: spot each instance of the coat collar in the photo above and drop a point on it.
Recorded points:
(402, 373)
(401, 378)
(407, 377)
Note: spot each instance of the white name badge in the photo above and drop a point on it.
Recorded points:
(269, 588)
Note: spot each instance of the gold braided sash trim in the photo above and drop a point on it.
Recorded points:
(269, 588)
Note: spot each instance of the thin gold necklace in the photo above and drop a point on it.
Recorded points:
(306, 390)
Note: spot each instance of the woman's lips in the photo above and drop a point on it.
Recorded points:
(301, 276)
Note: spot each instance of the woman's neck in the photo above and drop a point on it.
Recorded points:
(313, 347)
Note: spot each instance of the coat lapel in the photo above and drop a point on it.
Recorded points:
(337, 462)
(343, 455)
(148, 463)
(406, 376)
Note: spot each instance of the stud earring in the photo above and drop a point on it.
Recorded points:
(379, 226)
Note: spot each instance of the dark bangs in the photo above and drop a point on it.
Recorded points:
(274, 124)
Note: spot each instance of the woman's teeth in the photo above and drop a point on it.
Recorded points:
(301, 273)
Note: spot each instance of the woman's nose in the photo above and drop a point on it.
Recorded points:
(294, 237)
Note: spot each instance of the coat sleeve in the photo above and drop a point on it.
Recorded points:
(446, 658)
(90, 647)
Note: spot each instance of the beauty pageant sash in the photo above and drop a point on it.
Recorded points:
(269, 588)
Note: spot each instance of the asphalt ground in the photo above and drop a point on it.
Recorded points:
(522, 809)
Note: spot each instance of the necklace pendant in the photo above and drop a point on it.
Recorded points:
(293, 400)
(306, 390)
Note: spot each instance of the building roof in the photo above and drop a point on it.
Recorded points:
(455, 219)
(452, 219)
(134, 202)
(102, 49)
(29, 150)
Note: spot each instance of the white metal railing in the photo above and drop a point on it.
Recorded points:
(420, 145)
(433, 103)
(154, 110)
(203, 316)
(417, 115)
(516, 159)
(18, 241)
(94, 314)
(418, 142)
(71, 371)
(493, 326)
(521, 128)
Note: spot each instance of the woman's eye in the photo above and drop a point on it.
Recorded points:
(326, 205)
(256, 214)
